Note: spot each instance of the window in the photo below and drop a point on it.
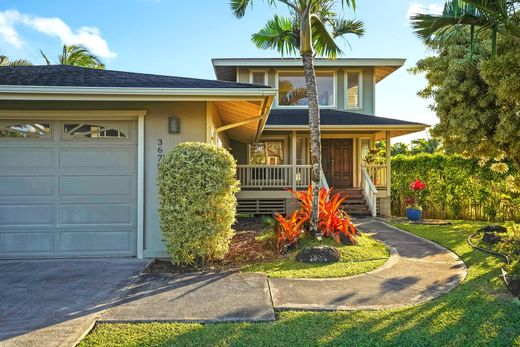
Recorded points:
(258, 77)
(266, 153)
(92, 131)
(353, 90)
(25, 130)
(292, 89)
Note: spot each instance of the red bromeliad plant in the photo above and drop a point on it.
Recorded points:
(333, 220)
(289, 229)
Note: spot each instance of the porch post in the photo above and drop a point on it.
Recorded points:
(293, 159)
(388, 165)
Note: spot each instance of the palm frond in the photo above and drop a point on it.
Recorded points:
(47, 61)
(5, 61)
(323, 40)
(239, 7)
(280, 34)
(343, 27)
(79, 55)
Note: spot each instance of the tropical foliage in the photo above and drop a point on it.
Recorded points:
(458, 187)
(475, 97)
(334, 222)
(5, 61)
(289, 230)
(311, 29)
(77, 55)
(491, 16)
(197, 188)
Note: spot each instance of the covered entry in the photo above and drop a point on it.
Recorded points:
(68, 188)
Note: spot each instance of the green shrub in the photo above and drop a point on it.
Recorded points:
(458, 188)
(197, 189)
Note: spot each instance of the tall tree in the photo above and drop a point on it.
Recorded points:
(5, 61)
(77, 55)
(475, 97)
(311, 29)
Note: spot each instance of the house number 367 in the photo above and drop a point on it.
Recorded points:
(160, 154)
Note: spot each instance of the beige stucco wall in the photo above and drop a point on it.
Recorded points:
(368, 94)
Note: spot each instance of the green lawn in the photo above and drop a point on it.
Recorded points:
(366, 256)
(479, 312)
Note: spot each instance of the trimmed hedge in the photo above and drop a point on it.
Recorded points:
(197, 188)
(458, 188)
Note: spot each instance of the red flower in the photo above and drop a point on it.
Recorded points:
(417, 185)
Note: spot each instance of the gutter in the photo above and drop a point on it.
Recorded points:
(8, 92)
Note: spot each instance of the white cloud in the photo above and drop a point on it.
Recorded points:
(7, 32)
(419, 7)
(90, 37)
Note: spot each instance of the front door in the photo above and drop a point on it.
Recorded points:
(337, 162)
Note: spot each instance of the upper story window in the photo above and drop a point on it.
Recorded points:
(292, 89)
(258, 77)
(353, 90)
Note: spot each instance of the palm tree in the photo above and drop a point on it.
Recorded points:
(310, 30)
(5, 61)
(497, 16)
(77, 55)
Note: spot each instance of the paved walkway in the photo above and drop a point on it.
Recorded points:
(417, 270)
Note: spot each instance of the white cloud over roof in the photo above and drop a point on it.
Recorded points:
(90, 37)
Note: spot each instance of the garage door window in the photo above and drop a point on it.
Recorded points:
(93, 131)
(25, 130)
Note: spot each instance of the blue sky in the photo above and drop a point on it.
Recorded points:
(175, 37)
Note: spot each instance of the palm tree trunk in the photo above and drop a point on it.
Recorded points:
(314, 127)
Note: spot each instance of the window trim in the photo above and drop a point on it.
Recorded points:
(264, 71)
(274, 138)
(334, 89)
(360, 84)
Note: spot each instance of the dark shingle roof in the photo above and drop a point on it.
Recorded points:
(291, 117)
(73, 76)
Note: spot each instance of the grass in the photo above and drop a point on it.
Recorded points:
(368, 255)
(479, 312)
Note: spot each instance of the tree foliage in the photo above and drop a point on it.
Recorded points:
(5, 61)
(77, 55)
(475, 97)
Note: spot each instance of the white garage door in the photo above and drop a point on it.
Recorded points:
(67, 188)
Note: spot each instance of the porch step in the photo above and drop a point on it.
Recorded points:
(355, 205)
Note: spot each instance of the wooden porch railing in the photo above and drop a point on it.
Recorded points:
(377, 174)
(369, 191)
(274, 176)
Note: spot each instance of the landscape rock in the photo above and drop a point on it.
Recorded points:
(493, 229)
(318, 254)
(491, 238)
(514, 285)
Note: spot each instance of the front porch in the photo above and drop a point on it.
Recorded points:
(281, 161)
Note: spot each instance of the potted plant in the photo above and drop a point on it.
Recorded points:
(413, 202)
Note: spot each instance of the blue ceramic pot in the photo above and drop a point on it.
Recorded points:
(414, 214)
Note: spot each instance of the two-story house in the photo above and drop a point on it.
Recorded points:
(281, 157)
(79, 148)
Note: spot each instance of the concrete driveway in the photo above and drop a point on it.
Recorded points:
(56, 302)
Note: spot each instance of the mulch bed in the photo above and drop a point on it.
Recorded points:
(243, 250)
